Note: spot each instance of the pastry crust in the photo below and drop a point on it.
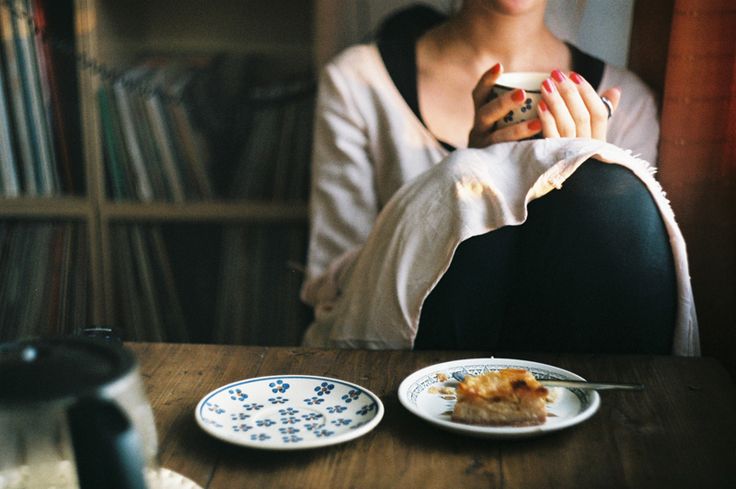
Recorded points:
(509, 397)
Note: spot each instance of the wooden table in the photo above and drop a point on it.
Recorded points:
(679, 433)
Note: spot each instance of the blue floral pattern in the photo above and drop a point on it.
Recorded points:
(289, 411)
(214, 408)
(238, 395)
(312, 416)
(279, 386)
(351, 396)
(324, 389)
(312, 426)
(357, 425)
(366, 409)
(242, 427)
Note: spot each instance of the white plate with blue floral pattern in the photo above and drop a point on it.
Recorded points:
(429, 394)
(289, 412)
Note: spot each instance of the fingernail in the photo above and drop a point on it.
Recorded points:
(535, 125)
(548, 85)
(496, 68)
(518, 95)
(542, 106)
(576, 78)
(558, 76)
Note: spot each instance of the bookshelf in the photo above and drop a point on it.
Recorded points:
(215, 266)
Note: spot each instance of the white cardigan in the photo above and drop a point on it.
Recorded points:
(367, 281)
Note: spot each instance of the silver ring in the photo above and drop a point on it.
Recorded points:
(609, 106)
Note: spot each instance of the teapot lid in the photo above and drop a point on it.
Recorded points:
(56, 368)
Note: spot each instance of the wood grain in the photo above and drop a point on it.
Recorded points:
(696, 166)
(679, 432)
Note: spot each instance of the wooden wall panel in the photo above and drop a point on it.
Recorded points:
(697, 167)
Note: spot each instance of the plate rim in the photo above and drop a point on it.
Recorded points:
(322, 442)
(495, 431)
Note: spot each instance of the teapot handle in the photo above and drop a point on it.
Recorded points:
(106, 447)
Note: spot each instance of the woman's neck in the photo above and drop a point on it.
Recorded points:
(478, 37)
(452, 57)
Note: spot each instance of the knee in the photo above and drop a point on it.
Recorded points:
(611, 193)
(605, 180)
(605, 206)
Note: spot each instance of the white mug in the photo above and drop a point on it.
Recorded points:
(531, 82)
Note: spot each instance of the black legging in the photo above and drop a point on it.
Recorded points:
(591, 270)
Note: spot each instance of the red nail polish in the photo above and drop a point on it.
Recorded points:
(558, 76)
(576, 78)
(548, 85)
(542, 106)
(535, 125)
(496, 68)
(518, 95)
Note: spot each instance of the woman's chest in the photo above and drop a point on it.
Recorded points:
(446, 105)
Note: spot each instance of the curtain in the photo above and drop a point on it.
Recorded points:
(698, 159)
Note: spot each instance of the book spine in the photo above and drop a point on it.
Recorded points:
(35, 280)
(77, 250)
(38, 130)
(16, 242)
(154, 330)
(41, 69)
(112, 146)
(172, 312)
(143, 187)
(163, 142)
(8, 169)
(192, 150)
(15, 88)
(55, 99)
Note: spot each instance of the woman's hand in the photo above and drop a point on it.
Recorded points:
(487, 112)
(570, 107)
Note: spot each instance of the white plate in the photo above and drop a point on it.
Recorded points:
(63, 476)
(420, 393)
(288, 412)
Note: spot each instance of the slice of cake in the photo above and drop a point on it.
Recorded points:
(509, 397)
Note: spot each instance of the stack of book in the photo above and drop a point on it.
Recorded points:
(242, 289)
(258, 288)
(45, 279)
(273, 162)
(181, 129)
(35, 153)
(153, 149)
(167, 120)
(148, 305)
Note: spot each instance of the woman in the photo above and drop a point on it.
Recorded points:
(393, 265)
